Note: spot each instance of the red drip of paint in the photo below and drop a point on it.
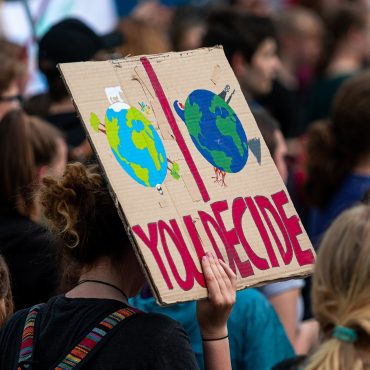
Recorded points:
(172, 121)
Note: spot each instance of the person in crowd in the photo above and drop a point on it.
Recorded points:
(300, 36)
(257, 338)
(6, 298)
(70, 40)
(29, 149)
(338, 165)
(187, 28)
(275, 141)
(340, 295)
(257, 7)
(99, 258)
(285, 296)
(19, 55)
(157, 14)
(142, 38)
(250, 45)
(343, 55)
(325, 7)
(10, 74)
(338, 156)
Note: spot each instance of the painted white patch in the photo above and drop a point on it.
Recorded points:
(119, 106)
(114, 94)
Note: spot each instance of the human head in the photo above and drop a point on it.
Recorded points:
(187, 28)
(340, 291)
(257, 7)
(346, 32)
(300, 35)
(274, 140)
(29, 148)
(10, 73)
(142, 38)
(6, 299)
(250, 46)
(69, 41)
(335, 148)
(19, 55)
(79, 207)
(323, 7)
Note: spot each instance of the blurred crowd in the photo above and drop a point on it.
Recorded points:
(302, 66)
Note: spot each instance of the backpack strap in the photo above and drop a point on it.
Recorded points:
(28, 336)
(82, 350)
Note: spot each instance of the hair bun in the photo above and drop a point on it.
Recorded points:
(70, 200)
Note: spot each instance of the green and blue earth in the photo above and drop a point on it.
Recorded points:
(136, 145)
(215, 130)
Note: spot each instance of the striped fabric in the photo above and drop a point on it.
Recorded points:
(82, 350)
(26, 349)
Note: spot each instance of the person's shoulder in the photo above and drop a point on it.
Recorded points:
(249, 296)
(17, 318)
(38, 105)
(351, 191)
(20, 232)
(13, 325)
(151, 336)
(252, 303)
(156, 321)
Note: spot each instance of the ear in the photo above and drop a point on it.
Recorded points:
(239, 64)
(41, 173)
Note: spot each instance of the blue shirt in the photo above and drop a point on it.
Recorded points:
(350, 193)
(257, 338)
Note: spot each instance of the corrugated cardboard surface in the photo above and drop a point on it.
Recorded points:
(179, 74)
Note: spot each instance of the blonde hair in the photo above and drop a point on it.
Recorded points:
(341, 291)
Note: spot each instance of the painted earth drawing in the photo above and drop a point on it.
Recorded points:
(136, 144)
(215, 130)
(134, 141)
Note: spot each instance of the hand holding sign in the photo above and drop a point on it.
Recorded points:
(213, 312)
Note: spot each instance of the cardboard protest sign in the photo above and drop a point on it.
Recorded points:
(189, 169)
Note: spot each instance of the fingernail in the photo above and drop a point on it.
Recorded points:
(209, 254)
(204, 258)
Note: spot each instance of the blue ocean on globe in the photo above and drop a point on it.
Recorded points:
(215, 130)
(136, 145)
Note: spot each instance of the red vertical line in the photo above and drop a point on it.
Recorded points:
(176, 131)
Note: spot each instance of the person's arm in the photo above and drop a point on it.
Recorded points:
(308, 337)
(213, 312)
(285, 305)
